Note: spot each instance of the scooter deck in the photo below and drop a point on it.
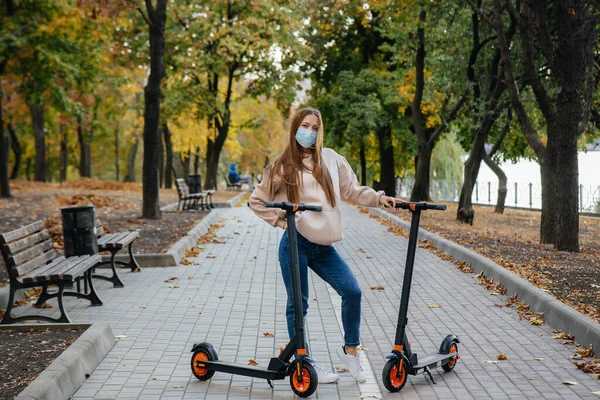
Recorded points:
(433, 360)
(246, 370)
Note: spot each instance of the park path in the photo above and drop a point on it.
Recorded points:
(233, 294)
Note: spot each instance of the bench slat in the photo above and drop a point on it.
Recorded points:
(28, 241)
(113, 238)
(22, 232)
(34, 264)
(130, 237)
(26, 255)
(50, 274)
(30, 276)
(79, 269)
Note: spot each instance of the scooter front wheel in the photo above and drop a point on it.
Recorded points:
(309, 382)
(203, 352)
(394, 376)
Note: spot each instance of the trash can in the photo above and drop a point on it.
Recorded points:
(79, 230)
(195, 183)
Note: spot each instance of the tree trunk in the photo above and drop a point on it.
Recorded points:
(169, 152)
(64, 155)
(502, 183)
(363, 165)
(152, 98)
(85, 151)
(37, 117)
(420, 190)
(130, 175)
(386, 155)
(161, 159)
(184, 158)
(564, 195)
(4, 145)
(16, 148)
(197, 160)
(117, 161)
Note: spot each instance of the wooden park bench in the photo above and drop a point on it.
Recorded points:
(113, 243)
(232, 186)
(192, 201)
(31, 261)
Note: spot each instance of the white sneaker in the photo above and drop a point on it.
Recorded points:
(325, 375)
(354, 365)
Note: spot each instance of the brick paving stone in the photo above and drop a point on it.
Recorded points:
(233, 293)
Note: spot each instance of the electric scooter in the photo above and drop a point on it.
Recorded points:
(303, 376)
(402, 361)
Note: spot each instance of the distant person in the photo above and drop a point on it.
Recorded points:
(234, 177)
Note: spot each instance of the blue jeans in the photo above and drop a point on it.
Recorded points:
(326, 262)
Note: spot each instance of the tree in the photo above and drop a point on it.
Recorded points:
(155, 17)
(426, 137)
(228, 41)
(486, 108)
(557, 42)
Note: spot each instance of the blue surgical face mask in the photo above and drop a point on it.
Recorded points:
(306, 137)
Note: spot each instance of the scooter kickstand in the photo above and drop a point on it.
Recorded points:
(270, 384)
(426, 370)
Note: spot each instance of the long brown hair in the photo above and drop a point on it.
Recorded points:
(288, 166)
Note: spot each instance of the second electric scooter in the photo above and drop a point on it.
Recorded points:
(402, 361)
(303, 376)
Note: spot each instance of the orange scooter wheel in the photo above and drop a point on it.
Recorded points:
(199, 369)
(394, 376)
(308, 384)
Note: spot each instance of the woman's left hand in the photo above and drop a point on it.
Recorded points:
(388, 201)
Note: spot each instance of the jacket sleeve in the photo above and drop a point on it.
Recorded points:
(261, 194)
(351, 191)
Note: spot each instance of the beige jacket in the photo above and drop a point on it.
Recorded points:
(324, 227)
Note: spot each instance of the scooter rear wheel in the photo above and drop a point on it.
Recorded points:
(392, 380)
(450, 366)
(309, 383)
(205, 352)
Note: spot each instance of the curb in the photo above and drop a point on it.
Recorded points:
(557, 314)
(177, 251)
(68, 371)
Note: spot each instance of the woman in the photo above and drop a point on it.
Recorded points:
(307, 173)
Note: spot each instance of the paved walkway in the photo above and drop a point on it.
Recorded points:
(233, 294)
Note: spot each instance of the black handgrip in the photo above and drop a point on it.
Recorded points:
(284, 205)
(406, 205)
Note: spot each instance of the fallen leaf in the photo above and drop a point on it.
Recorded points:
(361, 347)
(538, 358)
(569, 383)
(501, 356)
(434, 305)
(491, 362)
(596, 393)
(121, 337)
(340, 369)
(252, 362)
(171, 279)
(178, 387)
(173, 286)
(211, 256)
(362, 250)
(380, 288)
(268, 334)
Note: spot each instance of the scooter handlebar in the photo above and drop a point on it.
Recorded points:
(406, 205)
(288, 206)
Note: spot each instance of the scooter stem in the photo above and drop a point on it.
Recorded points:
(408, 271)
(296, 287)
